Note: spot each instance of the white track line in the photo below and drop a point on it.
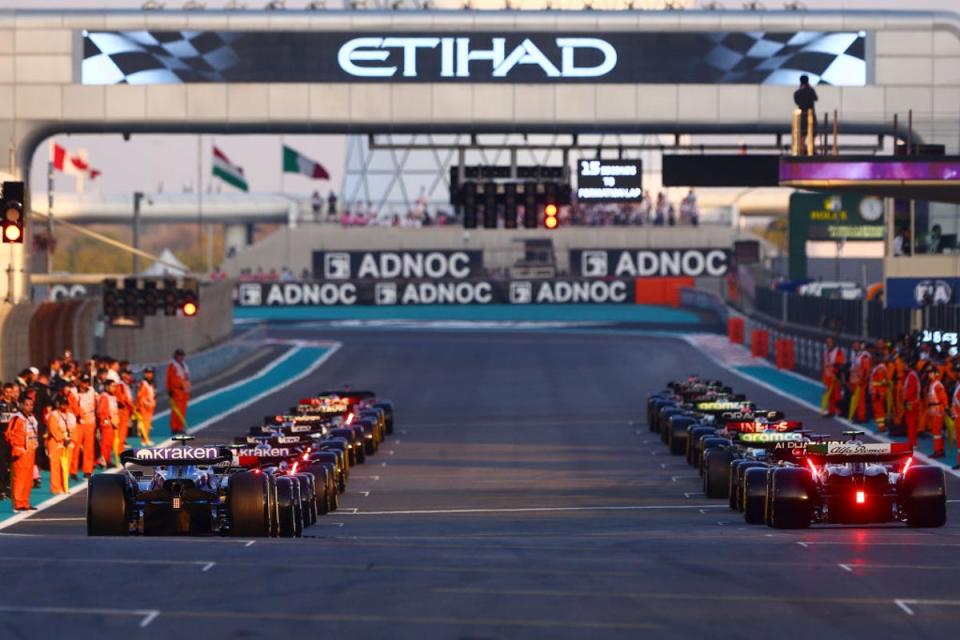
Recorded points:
(332, 349)
(148, 615)
(816, 409)
(415, 512)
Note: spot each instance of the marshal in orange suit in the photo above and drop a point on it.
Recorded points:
(178, 388)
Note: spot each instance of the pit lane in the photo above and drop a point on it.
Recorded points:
(520, 496)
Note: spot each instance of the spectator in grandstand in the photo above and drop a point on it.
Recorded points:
(332, 205)
(806, 98)
(286, 275)
(660, 213)
(901, 243)
(316, 204)
(688, 209)
(646, 207)
(935, 240)
(305, 275)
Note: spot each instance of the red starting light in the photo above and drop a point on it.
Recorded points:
(550, 210)
(861, 497)
(189, 309)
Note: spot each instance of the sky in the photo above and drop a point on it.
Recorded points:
(170, 162)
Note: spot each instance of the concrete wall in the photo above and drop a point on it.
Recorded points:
(294, 247)
(32, 334)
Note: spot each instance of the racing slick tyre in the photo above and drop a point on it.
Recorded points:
(716, 473)
(321, 487)
(108, 506)
(653, 411)
(754, 495)
(693, 442)
(333, 498)
(789, 501)
(249, 504)
(677, 437)
(737, 470)
(308, 499)
(273, 506)
(664, 423)
(706, 444)
(924, 497)
(387, 408)
(287, 503)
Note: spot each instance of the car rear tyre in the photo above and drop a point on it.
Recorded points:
(108, 506)
(248, 498)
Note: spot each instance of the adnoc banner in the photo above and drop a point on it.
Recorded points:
(649, 263)
(448, 292)
(725, 57)
(425, 264)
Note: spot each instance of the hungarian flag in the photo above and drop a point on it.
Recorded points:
(296, 162)
(229, 172)
(71, 163)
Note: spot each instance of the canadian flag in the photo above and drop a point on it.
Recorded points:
(74, 164)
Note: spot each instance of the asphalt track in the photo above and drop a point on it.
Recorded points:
(521, 496)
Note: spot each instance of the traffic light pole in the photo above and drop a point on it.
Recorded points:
(137, 198)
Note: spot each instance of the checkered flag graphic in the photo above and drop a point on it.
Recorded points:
(157, 57)
(781, 58)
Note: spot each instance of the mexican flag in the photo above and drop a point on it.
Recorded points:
(296, 162)
(230, 173)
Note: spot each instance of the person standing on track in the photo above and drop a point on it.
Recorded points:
(178, 388)
(859, 377)
(58, 442)
(832, 361)
(23, 440)
(125, 407)
(879, 381)
(8, 407)
(911, 404)
(936, 406)
(146, 406)
(107, 420)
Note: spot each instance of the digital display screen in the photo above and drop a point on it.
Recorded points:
(728, 57)
(946, 169)
(609, 181)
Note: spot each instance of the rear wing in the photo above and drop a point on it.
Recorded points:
(164, 456)
(855, 451)
(767, 439)
(760, 426)
(719, 406)
(257, 456)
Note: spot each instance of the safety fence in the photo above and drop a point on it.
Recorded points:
(35, 333)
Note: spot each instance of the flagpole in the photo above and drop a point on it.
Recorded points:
(49, 216)
(200, 192)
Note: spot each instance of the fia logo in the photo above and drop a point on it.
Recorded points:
(932, 292)
(593, 264)
(385, 293)
(251, 295)
(521, 292)
(336, 266)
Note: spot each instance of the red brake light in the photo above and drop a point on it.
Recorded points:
(306, 457)
(861, 497)
(812, 466)
(293, 469)
(906, 465)
(349, 418)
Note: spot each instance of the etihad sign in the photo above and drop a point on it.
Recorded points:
(373, 57)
